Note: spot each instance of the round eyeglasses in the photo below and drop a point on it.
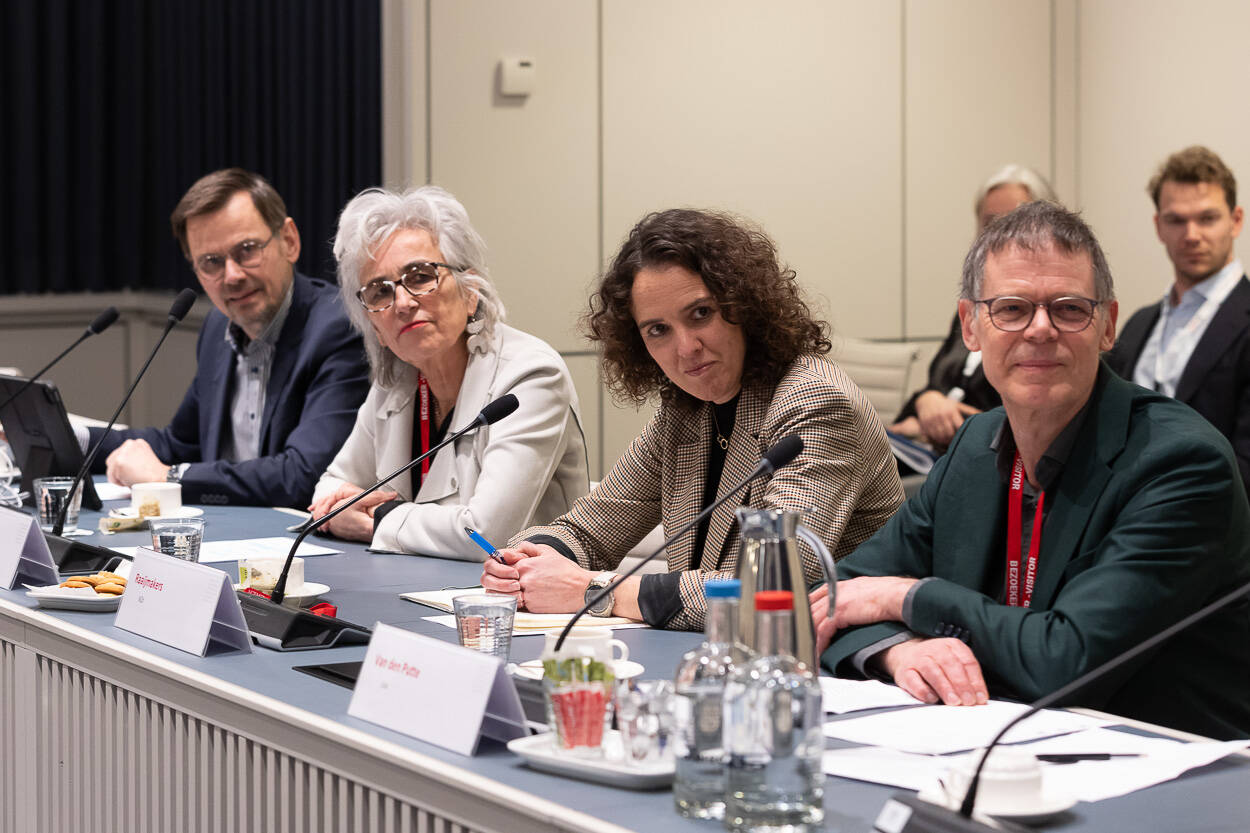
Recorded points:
(418, 279)
(1011, 314)
(247, 254)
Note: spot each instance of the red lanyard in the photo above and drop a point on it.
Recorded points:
(1014, 533)
(423, 399)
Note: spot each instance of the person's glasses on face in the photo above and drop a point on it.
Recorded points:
(418, 279)
(1069, 314)
(246, 254)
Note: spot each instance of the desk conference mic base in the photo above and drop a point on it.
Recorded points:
(281, 628)
(906, 813)
(71, 556)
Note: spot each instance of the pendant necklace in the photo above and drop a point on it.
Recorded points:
(720, 438)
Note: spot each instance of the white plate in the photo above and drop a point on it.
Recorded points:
(129, 513)
(539, 752)
(304, 595)
(624, 669)
(1051, 804)
(70, 598)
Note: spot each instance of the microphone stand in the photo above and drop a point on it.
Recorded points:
(781, 453)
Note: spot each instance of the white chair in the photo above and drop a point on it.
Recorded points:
(883, 371)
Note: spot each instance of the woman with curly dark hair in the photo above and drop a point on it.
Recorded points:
(696, 308)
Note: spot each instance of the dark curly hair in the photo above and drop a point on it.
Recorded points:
(738, 263)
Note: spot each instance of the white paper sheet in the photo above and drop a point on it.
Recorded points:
(885, 766)
(524, 621)
(1096, 780)
(936, 730)
(524, 625)
(214, 552)
(842, 696)
(111, 491)
(1103, 740)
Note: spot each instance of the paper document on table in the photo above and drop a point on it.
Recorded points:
(1102, 740)
(213, 552)
(885, 766)
(524, 622)
(1160, 761)
(842, 696)
(534, 624)
(111, 491)
(936, 730)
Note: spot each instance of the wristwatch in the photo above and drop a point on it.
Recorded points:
(604, 606)
(174, 473)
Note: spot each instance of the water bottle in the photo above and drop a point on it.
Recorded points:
(699, 782)
(773, 738)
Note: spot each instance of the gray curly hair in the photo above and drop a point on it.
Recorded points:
(371, 218)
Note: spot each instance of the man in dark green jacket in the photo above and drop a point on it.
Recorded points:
(1079, 519)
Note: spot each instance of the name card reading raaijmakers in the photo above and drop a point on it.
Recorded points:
(182, 604)
(436, 691)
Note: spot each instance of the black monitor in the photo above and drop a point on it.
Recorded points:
(43, 442)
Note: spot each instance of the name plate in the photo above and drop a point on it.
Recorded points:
(436, 691)
(24, 553)
(182, 604)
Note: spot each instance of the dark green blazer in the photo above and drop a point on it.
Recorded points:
(1147, 522)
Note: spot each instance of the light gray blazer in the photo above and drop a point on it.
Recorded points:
(528, 468)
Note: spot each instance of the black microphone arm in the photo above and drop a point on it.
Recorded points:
(965, 809)
(780, 454)
(101, 323)
(492, 413)
(177, 311)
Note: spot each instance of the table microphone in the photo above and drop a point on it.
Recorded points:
(492, 413)
(177, 311)
(101, 323)
(931, 818)
(781, 453)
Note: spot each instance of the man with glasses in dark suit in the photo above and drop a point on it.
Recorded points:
(279, 375)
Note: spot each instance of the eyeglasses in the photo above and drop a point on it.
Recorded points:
(247, 254)
(1069, 314)
(418, 279)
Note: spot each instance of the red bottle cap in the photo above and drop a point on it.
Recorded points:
(774, 600)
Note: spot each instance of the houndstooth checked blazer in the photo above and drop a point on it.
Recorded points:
(846, 475)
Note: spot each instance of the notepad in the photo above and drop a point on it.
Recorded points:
(524, 623)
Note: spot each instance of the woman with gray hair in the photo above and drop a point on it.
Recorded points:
(957, 387)
(413, 276)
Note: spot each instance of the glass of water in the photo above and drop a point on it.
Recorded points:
(484, 622)
(51, 496)
(179, 537)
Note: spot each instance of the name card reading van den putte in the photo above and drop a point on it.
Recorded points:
(436, 691)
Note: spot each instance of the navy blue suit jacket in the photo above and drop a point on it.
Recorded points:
(1216, 381)
(318, 382)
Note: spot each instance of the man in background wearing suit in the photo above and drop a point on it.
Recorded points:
(1064, 528)
(279, 374)
(1195, 343)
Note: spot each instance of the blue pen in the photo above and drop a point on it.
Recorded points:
(484, 544)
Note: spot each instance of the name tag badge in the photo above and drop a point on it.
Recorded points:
(436, 691)
(184, 605)
(24, 553)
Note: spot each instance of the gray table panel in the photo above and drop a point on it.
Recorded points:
(365, 587)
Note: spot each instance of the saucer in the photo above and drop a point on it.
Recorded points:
(538, 752)
(71, 598)
(1050, 804)
(623, 669)
(304, 595)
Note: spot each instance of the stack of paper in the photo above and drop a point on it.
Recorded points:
(524, 624)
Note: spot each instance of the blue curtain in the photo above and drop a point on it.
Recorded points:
(112, 108)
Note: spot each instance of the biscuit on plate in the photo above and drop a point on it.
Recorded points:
(110, 589)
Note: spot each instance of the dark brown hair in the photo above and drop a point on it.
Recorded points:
(738, 263)
(1191, 166)
(211, 193)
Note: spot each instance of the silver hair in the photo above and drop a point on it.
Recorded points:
(371, 218)
(1013, 174)
(1036, 226)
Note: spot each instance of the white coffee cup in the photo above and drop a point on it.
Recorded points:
(165, 498)
(596, 643)
(1010, 781)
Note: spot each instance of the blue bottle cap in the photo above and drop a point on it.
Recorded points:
(729, 588)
